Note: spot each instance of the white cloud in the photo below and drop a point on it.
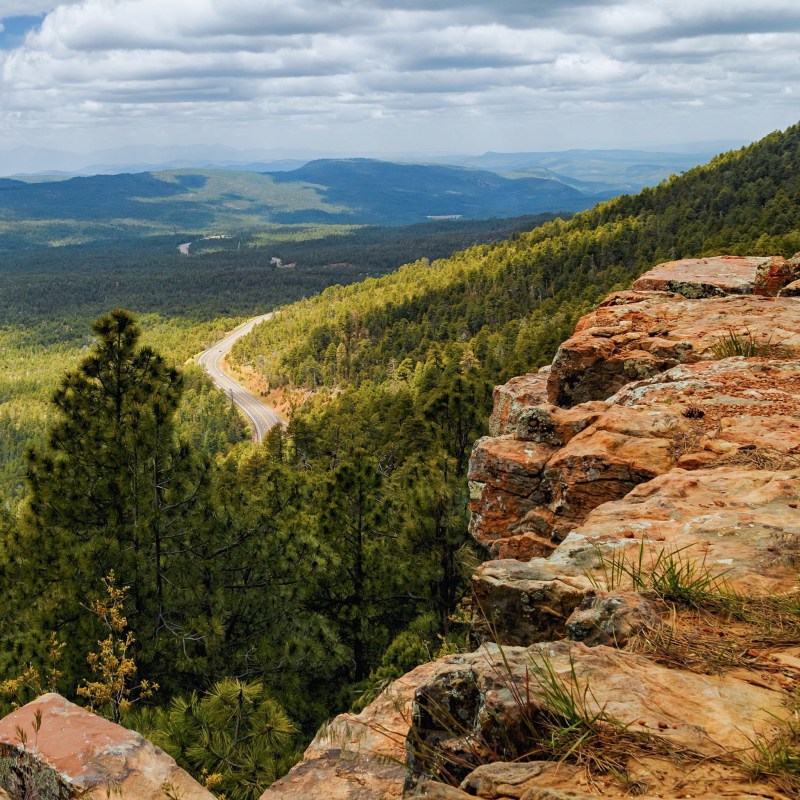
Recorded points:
(366, 71)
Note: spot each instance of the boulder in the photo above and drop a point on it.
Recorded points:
(648, 778)
(776, 274)
(531, 780)
(517, 780)
(505, 478)
(358, 756)
(636, 335)
(92, 753)
(526, 496)
(621, 449)
(519, 603)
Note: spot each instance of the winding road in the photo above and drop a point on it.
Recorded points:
(258, 413)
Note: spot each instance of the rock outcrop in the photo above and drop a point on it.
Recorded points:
(641, 493)
(636, 628)
(89, 753)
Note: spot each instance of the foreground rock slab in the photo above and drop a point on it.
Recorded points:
(493, 702)
(92, 753)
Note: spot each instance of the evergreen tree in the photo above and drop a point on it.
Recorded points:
(235, 737)
(111, 490)
(354, 516)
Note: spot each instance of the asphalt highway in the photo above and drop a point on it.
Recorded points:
(258, 413)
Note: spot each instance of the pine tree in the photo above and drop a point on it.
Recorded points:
(111, 490)
(235, 737)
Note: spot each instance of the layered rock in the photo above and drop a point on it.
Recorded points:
(358, 756)
(89, 753)
(648, 448)
(518, 602)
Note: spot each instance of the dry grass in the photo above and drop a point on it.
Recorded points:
(685, 441)
(764, 458)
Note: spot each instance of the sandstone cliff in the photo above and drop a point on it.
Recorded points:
(637, 626)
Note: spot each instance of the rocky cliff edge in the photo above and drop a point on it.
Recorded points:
(637, 624)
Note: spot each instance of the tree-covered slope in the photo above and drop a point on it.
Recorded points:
(510, 303)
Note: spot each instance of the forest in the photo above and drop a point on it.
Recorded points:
(277, 585)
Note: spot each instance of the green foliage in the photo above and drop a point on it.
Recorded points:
(736, 344)
(777, 758)
(234, 737)
(50, 297)
(111, 490)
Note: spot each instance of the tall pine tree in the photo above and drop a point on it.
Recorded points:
(111, 490)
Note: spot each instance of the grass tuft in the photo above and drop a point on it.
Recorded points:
(777, 758)
(737, 344)
(670, 575)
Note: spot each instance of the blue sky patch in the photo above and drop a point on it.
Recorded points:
(15, 28)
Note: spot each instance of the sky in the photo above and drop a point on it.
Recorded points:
(385, 76)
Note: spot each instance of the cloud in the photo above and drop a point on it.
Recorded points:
(366, 70)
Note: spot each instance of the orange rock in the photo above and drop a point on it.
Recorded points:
(93, 753)
(672, 330)
(514, 397)
(358, 756)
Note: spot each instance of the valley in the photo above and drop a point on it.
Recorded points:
(311, 571)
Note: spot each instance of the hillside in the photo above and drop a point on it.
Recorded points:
(510, 303)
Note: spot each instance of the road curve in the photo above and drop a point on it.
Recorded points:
(258, 413)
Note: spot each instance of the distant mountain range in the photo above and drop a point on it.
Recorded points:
(344, 191)
(589, 170)
(60, 209)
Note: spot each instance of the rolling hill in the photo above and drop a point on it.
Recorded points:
(192, 201)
